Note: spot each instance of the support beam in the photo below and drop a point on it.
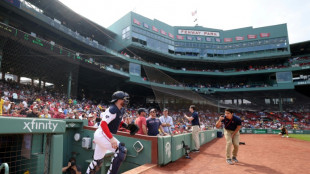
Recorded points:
(3, 76)
(40, 81)
(56, 156)
(18, 78)
(69, 85)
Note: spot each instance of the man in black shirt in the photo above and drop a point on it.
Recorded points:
(232, 125)
(195, 125)
(34, 113)
(22, 110)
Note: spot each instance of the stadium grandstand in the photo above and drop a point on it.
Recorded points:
(53, 56)
(251, 68)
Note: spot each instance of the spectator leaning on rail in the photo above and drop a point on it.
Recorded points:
(153, 124)
(232, 125)
(141, 121)
(166, 121)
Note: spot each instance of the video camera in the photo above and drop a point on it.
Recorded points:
(187, 150)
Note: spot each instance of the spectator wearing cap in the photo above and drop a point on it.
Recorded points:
(141, 121)
(90, 118)
(34, 112)
(166, 121)
(59, 114)
(153, 124)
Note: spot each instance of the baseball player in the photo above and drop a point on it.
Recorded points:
(103, 136)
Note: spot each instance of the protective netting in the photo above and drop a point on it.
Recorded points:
(15, 150)
(28, 55)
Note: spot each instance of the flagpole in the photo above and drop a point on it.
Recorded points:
(195, 17)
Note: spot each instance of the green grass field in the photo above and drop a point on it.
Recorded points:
(305, 137)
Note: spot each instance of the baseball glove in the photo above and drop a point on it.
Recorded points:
(133, 129)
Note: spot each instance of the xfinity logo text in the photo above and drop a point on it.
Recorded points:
(33, 125)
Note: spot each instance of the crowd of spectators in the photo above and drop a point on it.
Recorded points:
(293, 62)
(28, 101)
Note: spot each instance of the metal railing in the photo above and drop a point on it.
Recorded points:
(5, 166)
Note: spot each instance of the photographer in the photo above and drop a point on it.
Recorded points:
(232, 125)
(72, 168)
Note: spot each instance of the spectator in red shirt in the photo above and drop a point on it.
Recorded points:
(90, 119)
(141, 121)
(59, 114)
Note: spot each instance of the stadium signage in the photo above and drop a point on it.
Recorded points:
(179, 147)
(200, 33)
(168, 150)
(303, 83)
(37, 125)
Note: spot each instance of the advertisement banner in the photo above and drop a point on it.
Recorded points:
(239, 38)
(180, 37)
(163, 32)
(228, 39)
(171, 35)
(252, 36)
(264, 34)
(154, 29)
(136, 21)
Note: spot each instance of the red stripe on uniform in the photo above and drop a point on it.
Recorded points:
(105, 128)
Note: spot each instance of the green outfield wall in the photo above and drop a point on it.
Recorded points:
(272, 131)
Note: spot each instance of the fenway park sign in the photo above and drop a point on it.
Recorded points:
(200, 33)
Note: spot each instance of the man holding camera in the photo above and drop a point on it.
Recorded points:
(232, 125)
(72, 168)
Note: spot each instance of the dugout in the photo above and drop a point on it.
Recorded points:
(31, 145)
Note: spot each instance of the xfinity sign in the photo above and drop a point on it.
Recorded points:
(39, 125)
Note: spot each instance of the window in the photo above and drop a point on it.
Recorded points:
(126, 33)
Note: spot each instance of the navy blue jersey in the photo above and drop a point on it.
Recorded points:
(152, 125)
(232, 124)
(195, 121)
(114, 117)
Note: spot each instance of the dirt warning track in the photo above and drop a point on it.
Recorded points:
(262, 154)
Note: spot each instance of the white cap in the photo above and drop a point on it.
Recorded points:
(90, 115)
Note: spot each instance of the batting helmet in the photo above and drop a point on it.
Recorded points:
(119, 95)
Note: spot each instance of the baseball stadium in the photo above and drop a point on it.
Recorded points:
(66, 79)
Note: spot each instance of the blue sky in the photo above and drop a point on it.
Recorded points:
(219, 14)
